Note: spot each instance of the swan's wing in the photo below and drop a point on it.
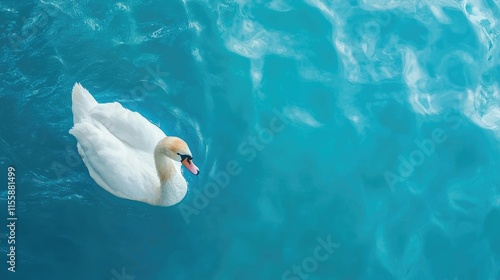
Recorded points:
(81, 103)
(129, 127)
(117, 167)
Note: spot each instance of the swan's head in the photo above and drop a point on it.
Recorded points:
(176, 149)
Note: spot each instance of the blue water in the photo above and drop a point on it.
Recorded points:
(370, 126)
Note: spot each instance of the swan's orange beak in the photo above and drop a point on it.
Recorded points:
(190, 166)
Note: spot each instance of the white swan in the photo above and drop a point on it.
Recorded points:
(122, 149)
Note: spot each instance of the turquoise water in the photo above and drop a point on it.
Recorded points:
(336, 139)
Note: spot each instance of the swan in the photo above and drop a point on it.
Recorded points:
(127, 155)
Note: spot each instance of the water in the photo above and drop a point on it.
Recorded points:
(336, 139)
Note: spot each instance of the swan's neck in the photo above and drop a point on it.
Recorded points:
(164, 167)
(170, 192)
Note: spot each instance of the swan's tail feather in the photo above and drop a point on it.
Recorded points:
(82, 101)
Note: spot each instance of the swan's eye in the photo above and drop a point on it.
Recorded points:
(188, 157)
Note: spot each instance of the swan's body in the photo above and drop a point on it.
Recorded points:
(126, 154)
